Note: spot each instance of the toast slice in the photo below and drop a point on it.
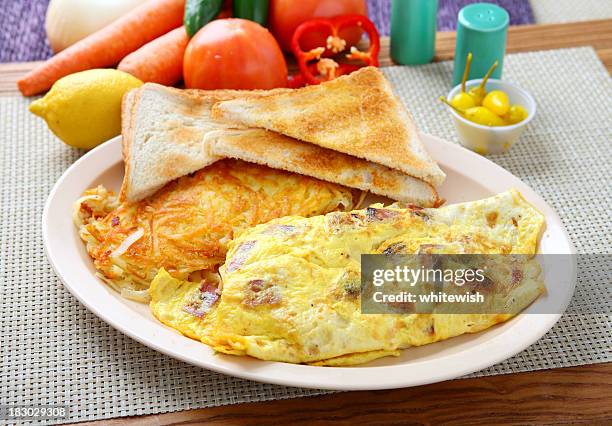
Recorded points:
(356, 114)
(281, 152)
(163, 131)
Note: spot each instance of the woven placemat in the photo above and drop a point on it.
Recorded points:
(54, 351)
(554, 11)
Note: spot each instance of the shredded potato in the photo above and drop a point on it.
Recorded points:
(187, 226)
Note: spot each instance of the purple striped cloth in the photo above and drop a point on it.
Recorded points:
(22, 32)
(519, 10)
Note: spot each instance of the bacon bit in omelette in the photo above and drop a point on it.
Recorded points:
(256, 285)
(336, 221)
(352, 289)
(431, 330)
(514, 222)
(115, 221)
(380, 214)
(208, 296)
(491, 219)
(517, 277)
(420, 213)
(208, 287)
(279, 229)
(258, 292)
(240, 256)
(394, 248)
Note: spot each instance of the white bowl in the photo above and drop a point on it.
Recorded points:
(492, 140)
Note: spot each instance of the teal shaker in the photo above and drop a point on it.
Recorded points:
(413, 31)
(482, 30)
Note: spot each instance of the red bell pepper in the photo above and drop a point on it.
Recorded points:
(314, 68)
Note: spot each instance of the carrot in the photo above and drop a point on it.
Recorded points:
(159, 61)
(106, 47)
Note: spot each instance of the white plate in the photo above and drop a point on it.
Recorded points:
(470, 177)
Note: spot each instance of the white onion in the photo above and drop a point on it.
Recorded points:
(131, 239)
(69, 21)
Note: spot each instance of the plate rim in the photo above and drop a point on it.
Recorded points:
(334, 378)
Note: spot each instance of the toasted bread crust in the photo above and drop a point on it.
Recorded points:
(281, 152)
(163, 130)
(356, 114)
(127, 104)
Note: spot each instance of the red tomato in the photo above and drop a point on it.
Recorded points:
(286, 15)
(234, 54)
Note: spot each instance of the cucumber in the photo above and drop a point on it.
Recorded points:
(199, 13)
(255, 10)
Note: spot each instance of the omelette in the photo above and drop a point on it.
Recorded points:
(187, 306)
(290, 289)
(186, 226)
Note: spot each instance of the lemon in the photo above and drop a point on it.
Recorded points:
(84, 109)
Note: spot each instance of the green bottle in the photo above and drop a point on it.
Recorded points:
(413, 31)
(481, 29)
(253, 10)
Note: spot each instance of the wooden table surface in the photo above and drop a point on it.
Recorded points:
(577, 395)
(560, 396)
